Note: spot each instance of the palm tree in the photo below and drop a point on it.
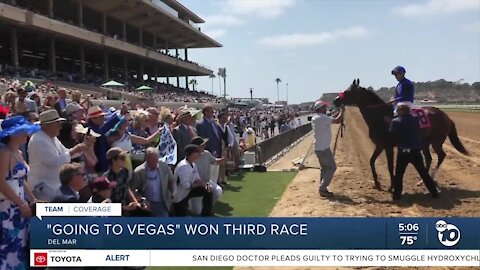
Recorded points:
(212, 76)
(193, 82)
(278, 80)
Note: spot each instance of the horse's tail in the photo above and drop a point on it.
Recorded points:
(456, 141)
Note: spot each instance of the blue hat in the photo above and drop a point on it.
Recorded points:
(16, 125)
(122, 120)
(398, 69)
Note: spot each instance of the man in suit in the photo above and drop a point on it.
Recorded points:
(72, 179)
(183, 133)
(209, 128)
(154, 180)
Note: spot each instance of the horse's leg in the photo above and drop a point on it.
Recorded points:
(437, 147)
(428, 156)
(376, 153)
(389, 152)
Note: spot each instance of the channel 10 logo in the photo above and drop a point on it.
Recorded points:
(448, 234)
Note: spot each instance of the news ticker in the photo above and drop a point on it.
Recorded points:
(110, 241)
(211, 258)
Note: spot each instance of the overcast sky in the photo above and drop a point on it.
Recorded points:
(319, 46)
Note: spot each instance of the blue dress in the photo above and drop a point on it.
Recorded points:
(14, 233)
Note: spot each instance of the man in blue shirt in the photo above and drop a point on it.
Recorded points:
(406, 130)
(404, 91)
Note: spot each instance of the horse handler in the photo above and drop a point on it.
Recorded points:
(406, 130)
(321, 125)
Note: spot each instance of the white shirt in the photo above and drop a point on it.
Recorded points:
(322, 131)
(47, 156)
(187, 173)
(203, 163)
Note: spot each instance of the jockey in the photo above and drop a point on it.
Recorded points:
(404, 91)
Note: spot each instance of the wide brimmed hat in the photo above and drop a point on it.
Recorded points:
(121, 121)
(50, 116)
(71, 108)
(95, 111)
(17, 125)
(79, 128)
(199, 141)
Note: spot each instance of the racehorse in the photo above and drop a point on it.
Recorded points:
(374, 110)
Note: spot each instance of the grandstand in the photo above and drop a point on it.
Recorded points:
(91, 41)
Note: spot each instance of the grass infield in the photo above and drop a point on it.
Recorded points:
(248, 195)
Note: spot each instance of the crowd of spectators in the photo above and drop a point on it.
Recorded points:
(55, 146)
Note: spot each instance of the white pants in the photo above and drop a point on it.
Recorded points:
(195, 203)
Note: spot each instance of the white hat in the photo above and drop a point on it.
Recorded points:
(79, 128)
(71, 108)
(50, 116)
(319, 104)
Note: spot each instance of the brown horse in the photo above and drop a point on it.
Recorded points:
(374, 110)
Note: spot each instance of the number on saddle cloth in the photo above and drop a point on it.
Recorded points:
(421, 114)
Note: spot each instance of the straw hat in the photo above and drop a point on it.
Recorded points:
(95, 111)
(50, 116)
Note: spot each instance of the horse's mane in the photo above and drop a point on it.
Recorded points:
(373, 96)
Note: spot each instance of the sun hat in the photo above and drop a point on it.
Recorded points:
(71, 108)
(319, 104)
(199, 141)
(102, 183)
(95, 111)
(50, 116)
(17, 125)
(121, 121)
(79, 128)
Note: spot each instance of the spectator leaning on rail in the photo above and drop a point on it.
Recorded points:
(96, 121)
(406, 130)
(47, 155)
(154, 180)
(322, 133)
(72, 179)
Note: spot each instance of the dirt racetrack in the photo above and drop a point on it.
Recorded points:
(459, 179)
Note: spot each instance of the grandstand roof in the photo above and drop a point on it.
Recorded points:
(156, 18)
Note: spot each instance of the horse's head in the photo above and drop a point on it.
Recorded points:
(354, 95)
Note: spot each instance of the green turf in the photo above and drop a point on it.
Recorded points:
(252, 194)
(248, 195)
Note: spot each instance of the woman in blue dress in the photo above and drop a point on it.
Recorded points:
(14, 207)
